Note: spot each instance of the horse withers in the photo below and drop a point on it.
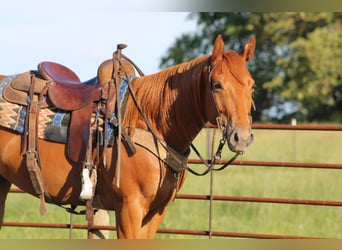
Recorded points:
(163, 113)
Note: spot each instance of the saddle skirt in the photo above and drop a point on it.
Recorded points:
(54, 123)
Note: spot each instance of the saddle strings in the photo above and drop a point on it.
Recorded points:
(117, 65)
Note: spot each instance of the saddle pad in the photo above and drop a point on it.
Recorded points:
(123, 96)
(12, 116)
(54, 123)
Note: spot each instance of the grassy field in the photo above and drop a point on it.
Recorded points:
(300, 220)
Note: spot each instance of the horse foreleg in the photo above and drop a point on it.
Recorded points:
(131, 223)
(129, 220)
(4, 189)
(152, 222)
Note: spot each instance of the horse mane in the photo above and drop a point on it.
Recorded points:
(173, 99)
(167, 95)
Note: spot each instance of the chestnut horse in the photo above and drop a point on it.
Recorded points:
(164, 113)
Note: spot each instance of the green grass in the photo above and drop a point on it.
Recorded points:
(301, 220)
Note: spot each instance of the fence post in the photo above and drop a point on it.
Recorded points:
(211, 191)
(294, 149)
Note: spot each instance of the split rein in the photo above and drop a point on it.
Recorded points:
(210, 164)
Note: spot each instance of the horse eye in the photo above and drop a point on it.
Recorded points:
(217, 86)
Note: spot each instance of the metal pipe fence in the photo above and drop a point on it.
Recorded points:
(211, 198)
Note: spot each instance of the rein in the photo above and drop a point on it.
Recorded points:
(209, 164)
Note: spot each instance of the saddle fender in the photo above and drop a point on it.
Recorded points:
(70, 97)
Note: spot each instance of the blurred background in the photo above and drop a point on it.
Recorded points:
(297, 64)
(298, 60)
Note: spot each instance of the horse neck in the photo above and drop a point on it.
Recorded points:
(173, 101)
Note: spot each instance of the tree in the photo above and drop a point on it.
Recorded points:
(297, 65)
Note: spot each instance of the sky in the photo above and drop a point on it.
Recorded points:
(82, 38)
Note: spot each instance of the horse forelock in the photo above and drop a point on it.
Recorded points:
(238, 69)
(237, 66)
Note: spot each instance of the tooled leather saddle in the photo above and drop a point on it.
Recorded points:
(56, 86)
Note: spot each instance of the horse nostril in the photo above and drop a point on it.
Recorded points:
(236, 137)
(251, 138)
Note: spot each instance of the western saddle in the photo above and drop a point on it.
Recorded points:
(56, 86)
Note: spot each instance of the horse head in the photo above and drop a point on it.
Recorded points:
(231, 94)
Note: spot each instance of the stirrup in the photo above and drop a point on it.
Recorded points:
(87, 186)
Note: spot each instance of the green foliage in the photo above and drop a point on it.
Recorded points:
(297, 65)
(312, 71)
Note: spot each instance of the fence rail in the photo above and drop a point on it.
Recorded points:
(298, 127)
(229, 198)
(276, 164)
(161, 230)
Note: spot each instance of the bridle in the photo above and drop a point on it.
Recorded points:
(224, 128)
(210, 165)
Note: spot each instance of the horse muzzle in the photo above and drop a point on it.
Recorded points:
(239, 139)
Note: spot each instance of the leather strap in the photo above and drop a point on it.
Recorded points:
(93, 177)
(117, 82)
(32, 155)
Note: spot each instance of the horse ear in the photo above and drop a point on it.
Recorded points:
(248, 51)
(218, 50)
